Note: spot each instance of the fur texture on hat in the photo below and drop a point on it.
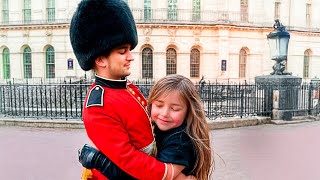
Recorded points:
(98, 26)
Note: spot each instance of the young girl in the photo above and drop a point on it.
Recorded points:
(181, 131)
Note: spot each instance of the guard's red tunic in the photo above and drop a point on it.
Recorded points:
(117, 123)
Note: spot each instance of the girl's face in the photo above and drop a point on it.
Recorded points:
(168, 111)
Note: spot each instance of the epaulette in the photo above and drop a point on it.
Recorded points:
(95, 97)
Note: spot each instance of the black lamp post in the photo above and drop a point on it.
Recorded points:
(278, 42)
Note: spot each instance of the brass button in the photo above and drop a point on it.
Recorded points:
(139, 98)
(142, 103)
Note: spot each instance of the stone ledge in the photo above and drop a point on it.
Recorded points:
(71, 124)
(298, 119)
(237, 122)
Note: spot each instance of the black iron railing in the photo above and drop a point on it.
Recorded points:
(65, 100)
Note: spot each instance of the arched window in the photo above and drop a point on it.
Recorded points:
(306, 63)
(147, 9)
(277, 9)
(242, 63)
(194, 63)
(171, 58)
(196, 8)
(50, 63)
(6, 63)
(5, 11)
(27, 63)
(244, 10)
(172, 10)
(27, 11)
(147, 63)
(51, 12)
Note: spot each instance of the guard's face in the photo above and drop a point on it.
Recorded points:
(169, 111)
(118, 62)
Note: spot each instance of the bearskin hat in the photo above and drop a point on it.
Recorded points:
(98, 26)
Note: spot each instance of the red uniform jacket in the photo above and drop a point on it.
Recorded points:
(117, 123)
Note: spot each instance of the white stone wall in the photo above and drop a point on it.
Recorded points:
(215, 42)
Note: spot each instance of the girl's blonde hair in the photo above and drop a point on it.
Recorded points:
(197, 127)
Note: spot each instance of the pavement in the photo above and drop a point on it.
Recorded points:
(220, 123)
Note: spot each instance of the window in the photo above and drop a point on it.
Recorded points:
(51, 17)
(196, 7)
(306, 63)
(171, 58)
(70, 64)
(172, 9)
(147, 63)
(50, 63)
(244, 10)
(27, 63)
(223, 65)
(308, 15)
(242, 63)
(147, 9)
(27, 11)
(6, 63)
(5, 11)
(277, 10)
(194, 63)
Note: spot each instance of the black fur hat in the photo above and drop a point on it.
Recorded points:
(98, 26)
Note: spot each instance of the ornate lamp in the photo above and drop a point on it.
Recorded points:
(278, 42)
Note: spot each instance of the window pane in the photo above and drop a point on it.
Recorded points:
(171, 57)
(5, 11)
(27, 64)
(27, 11)
(306, 64)
(244, 10)
(277, 10)
(147, 63)
(51, 11)
(6, 63)
(242, 63)
(147, 9)
(196, 10)
(194, 63)
(50, 63)
(172, 9)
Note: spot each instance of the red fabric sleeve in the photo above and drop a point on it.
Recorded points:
(108, 134)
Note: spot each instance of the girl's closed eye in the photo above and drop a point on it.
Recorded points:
(175, 108)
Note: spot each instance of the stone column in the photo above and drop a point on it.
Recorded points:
(281, 94)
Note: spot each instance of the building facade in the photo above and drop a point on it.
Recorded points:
(222, 40)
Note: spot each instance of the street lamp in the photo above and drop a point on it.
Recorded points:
(278, 42)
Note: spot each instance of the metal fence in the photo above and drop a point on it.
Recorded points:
(65, 100)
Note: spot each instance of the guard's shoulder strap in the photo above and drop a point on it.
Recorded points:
(95, 97)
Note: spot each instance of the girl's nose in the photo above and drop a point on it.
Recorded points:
(164, 112)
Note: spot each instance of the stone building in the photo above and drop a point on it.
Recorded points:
(218, 39)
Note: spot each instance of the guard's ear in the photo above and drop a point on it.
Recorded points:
(100, 61)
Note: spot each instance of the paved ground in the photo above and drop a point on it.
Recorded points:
(268, 152)
(264, 152)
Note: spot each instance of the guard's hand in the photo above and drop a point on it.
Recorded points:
(87, 156)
